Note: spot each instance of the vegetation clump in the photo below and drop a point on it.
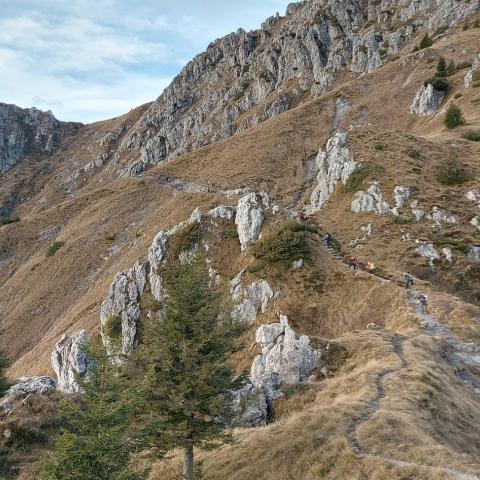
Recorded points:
(401, 220)
(473, 136)
(110, 237)
(454, 117)
(184, 239)
(413, 153)
(8, 220)
(113, 327)
(379, 146)
(54, 248)
(286, 242)
(426, 42)
(452, 173)
(364, 172)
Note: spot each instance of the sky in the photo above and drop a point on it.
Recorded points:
(89, 60)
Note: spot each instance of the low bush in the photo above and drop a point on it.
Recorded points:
(426, 42)
(113, 327)
(366, 171)
(454, 117)
(184, 239)
(459, 245)
(401, 220)
(8, 220)
(286, 242)
(413, 153)
(111, 237)
(452, 173)
(438, 83)
(440, 30)
(474, 136)
(54, 248)
(380, 146)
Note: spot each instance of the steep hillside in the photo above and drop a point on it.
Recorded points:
(325, 120)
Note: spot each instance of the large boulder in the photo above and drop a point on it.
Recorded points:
(426, 101)
(335, 163)
(28, 386)
(428, 251)
(249, 220)
(69, 359)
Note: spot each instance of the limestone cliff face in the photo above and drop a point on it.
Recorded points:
(22, 131)
(248, 77)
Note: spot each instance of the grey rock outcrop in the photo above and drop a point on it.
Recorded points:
(469, 77)
(249, 220)
(28, 386)
(418, 212)
(427, 250)
(222, 211)
(69, 360)
(441, 217)
(123, 303)
(251, 299)
(285, 355)
(286, 359)
(402, 194)
(370, 201)
(20, 129)
(334, 164)
(426, 101)
(247, 77)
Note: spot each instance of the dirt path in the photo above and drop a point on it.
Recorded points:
(462, 353)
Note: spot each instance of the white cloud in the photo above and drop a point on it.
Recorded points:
(88, 60)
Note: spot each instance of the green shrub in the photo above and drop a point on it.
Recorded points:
(440, 30)
(401, 220)
(364, 172)
(413, 153)
(54, 247)
(473, 136)
(438, 83)
(458, 95)
(454, 117)
(426, 42)
(466, 26)
(111, 237)
(8, 220)
(113, 327)
(441, 67)
(286, 242)
(379, 146)
(476, 23)
(184, 239)
(452, 173)
(459, 245)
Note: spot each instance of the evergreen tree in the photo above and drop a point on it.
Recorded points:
(426, 42)
(4, 383)
(186, 377)
(441, 67)
(94, 441)
(454, 117)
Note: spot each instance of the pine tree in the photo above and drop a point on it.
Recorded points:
(4, 383)
(441, 67)
(426, 42)
(454, 117)
(187, 381)
(94, 441)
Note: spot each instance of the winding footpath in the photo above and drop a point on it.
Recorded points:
(462, 353)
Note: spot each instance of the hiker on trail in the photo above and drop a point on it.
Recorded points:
(408, 280)
(370, 267)
(423, 302)
(327, 239)
(354, 262)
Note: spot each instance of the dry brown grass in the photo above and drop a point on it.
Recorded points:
(311, 443)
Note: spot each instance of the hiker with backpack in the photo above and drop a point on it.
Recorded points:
(327, 240)
(423, 302)
(408, 280)
(354, 262)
